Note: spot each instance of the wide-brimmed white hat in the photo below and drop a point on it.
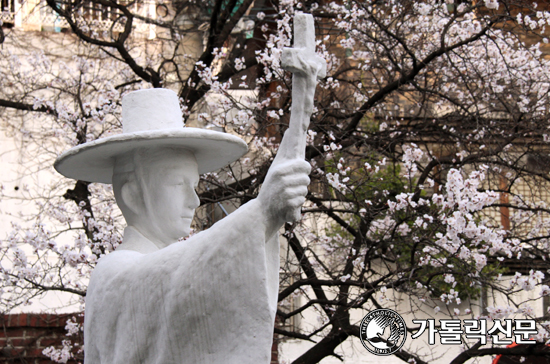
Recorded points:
(150, 118)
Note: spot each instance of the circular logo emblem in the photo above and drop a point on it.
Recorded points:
(383, 332)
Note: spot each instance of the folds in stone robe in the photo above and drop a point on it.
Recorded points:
(207, 300)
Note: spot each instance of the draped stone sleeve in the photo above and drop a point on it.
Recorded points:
(210, 299)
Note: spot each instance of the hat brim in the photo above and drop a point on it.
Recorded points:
(94, 161)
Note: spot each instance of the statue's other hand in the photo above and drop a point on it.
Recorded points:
(284, 189)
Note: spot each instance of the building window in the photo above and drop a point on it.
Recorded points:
(7, 15)
(8, 6)
(91, 10)
(504, 201)
(290, 304)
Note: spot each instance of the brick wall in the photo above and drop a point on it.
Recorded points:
(25, 336)
(275, 350)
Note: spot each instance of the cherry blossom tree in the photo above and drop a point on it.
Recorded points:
(428, 145)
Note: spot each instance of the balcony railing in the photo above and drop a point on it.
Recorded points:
(7, 17)
(38, 16)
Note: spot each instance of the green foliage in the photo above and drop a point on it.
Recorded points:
(380, 185)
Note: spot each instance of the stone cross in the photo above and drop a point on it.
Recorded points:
(307, 67)
(302, 60)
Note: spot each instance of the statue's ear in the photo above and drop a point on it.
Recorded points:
(132, 197)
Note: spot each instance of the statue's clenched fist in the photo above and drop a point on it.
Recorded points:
(284, 190)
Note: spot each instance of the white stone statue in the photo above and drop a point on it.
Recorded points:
(211, 298)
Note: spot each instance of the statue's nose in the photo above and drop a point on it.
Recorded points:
(194, 201)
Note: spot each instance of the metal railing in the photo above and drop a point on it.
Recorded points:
(38, 16)
(7, 17)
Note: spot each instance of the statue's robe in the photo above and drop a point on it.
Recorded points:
(209, 299)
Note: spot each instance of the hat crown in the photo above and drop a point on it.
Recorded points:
(151, 109)
(151, 119)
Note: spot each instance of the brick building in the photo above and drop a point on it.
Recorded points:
(25, 336)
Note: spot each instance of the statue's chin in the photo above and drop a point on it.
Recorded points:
(170, 233)
(185, 229)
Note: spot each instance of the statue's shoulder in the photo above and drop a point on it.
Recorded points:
(112, 264)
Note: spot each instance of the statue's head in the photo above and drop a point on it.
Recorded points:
(154, 165)
(155, 190)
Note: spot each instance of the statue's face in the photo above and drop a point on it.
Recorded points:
(168, 187)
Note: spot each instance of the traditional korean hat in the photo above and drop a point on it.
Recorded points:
(150, 118)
